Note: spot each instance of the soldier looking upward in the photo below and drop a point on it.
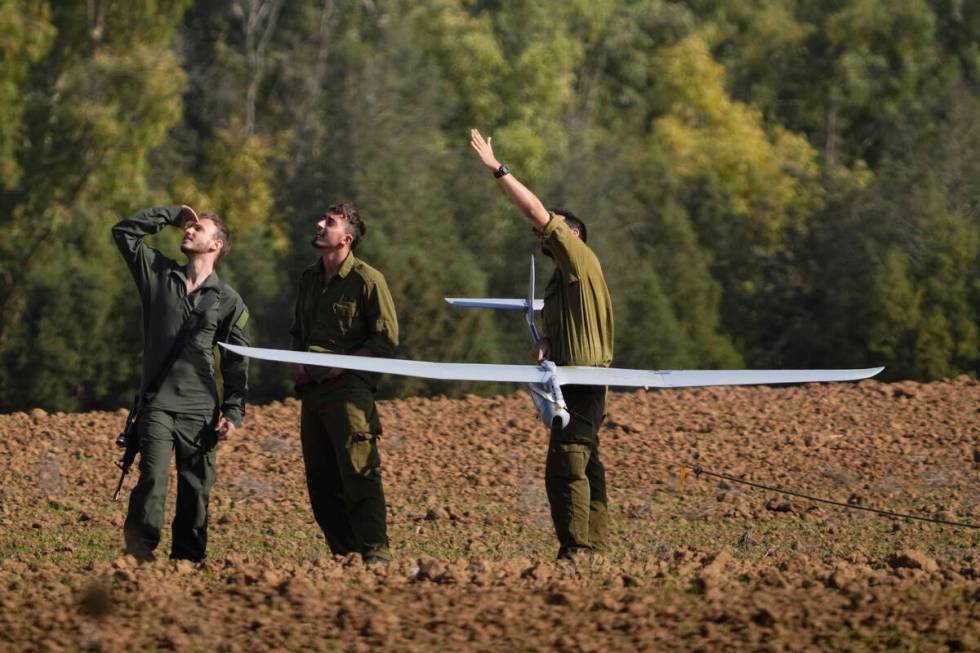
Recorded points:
(578, 319)
(343, 307)
(187, 310)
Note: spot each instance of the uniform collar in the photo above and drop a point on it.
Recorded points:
(211, 282)
(346, 266)
(344, 270)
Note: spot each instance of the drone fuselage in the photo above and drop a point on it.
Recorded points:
(549, 400)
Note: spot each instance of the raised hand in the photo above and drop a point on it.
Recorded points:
(484, 149)
(187, 216)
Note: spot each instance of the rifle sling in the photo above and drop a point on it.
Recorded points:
(175, 350)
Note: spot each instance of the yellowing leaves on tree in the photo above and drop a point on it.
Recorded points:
(238, 179)
(118, 106)
(467, 51)
(765, 174)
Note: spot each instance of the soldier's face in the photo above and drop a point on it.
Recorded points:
(199, 237)
(331, 232)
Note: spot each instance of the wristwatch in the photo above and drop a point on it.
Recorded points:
(500, 172)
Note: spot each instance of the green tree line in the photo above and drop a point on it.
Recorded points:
(768, 183)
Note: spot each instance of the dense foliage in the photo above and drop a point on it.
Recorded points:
(769, 183)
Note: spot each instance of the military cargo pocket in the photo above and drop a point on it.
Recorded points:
(359, 410)
(569, 461)
(207, 326)
(344, 313)
(362, 449)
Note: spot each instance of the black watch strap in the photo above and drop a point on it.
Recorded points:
(500, 172)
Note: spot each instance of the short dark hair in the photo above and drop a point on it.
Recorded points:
(355, 225)
(224, 234)
(574, 221)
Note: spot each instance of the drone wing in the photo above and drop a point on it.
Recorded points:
(690, 378)
(566, 375)
(488, 302)
(422, 369)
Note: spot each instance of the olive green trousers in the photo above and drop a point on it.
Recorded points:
(162, 435)
(575, 478)
(339, 429)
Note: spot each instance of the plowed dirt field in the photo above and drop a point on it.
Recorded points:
(717, 566)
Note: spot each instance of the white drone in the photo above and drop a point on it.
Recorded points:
(545, 380)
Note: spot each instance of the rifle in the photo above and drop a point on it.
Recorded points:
(129, 437)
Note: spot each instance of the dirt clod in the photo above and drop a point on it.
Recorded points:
(912, 559)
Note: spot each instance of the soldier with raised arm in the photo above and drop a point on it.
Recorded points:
(343, 307)
(187, 310)
(578, 321)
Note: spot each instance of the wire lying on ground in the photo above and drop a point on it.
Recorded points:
(698, 470)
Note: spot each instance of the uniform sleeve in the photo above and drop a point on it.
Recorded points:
(570, 253)
(234, 367)
(296, 329)
(129, 234)
(379, 311)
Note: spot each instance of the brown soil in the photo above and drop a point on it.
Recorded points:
(719, 566)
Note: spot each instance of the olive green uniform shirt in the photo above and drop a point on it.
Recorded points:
(578, 312)
(340, 315)
(189, 386)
